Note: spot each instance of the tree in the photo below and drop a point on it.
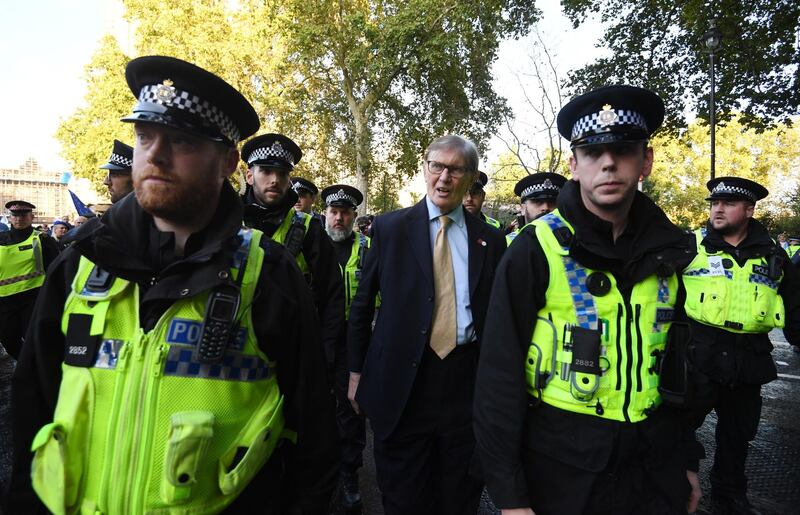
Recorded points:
(681, 168)
(403, 72)
(658, 44)
(87, 136)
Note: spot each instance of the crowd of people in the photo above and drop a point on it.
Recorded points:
(195, 350)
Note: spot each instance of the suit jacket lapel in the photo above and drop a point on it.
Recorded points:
(476, 245)
(418, 233)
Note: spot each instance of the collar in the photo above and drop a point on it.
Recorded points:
(456, 215)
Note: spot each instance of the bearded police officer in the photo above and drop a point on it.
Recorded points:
(189, 345)
(269, 207)
(739, 286)
(537, 196)
(25, 254)
(568, 417)
(474, 198)
(118, 180)
(351, 250)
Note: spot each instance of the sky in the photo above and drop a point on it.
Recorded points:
(47, 43)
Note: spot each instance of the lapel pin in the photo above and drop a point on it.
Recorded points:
(481, 242)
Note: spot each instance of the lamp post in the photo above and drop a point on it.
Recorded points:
(712, 39)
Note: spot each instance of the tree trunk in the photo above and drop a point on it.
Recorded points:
(363, 159)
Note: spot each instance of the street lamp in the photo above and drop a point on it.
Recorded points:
(712, 39)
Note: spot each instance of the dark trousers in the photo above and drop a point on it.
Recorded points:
(423, 466)
(352, 427)
(738, 408)
(15, 315)
(576, 464)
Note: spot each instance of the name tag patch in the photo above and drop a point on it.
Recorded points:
(761, 270)
(715, 266)
(25, 247)
(187, 332)
(664, 315)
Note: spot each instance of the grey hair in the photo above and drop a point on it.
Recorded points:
(452, 142)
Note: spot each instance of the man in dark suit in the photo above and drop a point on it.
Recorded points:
(433, 265)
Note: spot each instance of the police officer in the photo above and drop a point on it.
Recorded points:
(25, 255)
(351, 248)
(269, 206)
(568, 417)
(537, 194)
(794, 247)
(739, 286)
(307, 193)
(474, 198)
(189, 345)
(118, 180)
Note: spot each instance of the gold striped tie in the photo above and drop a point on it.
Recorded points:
(443, 328)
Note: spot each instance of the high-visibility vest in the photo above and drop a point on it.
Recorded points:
(510, 237)
(142, 425)
(352, 270)
(491, 221)
(291, 234)
(631, 334)
(740, 299)
(21, 266)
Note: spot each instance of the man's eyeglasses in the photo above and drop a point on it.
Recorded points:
(436, 168)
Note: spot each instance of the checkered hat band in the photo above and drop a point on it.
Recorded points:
(340, 196)
(186, 101)
(591, 122)
(539, 187)
(120, 160)
(726, 189)
(271, 151)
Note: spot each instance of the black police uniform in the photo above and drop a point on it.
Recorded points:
(729, 368)
(352, 426)
(556, 461)
(326, 278)
(15, 310)
(298, 478)
(299, 184)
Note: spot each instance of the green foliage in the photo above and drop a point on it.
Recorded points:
(682, 167)
(658, 44)
(401, 72)
(361, 85)
(87, 136)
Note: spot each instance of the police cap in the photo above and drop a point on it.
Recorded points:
(342, 195)
(539, 186)
(121, 159)
(272, 150)
(301, 184)
(735, 188)
(611, 114)
(178, 94)
(19, 207)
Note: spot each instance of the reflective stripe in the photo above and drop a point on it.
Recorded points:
(766, 281)
(582, 300)
(108, 354)
(184, 362)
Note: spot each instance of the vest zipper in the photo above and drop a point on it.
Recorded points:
(628, 358)
(110, 458)
(619, 346)
(639, 349)
(148, 402)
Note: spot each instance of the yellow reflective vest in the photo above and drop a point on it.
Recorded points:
(740, 299)
(141, 425)
(21, 266)
(631, 334)
(291, 234)
(352, 270)
(491, 221)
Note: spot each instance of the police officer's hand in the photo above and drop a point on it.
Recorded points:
(695, 494)
(352, 387)
(517, 511)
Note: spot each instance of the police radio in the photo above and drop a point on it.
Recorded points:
(219, 325)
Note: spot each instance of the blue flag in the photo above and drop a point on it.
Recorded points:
(80, 207)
